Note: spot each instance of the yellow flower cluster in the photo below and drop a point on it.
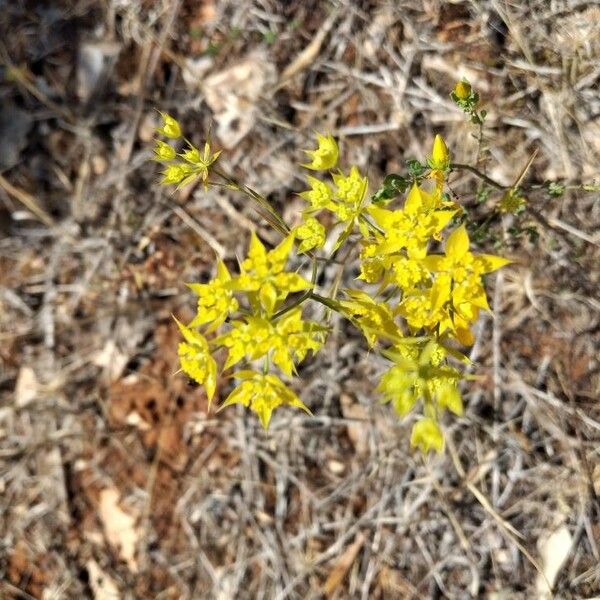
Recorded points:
(189, 165)
(288, 339)
(258, 332)
(263, 276)
(419, 372)
(262, 393)
(423, 306)
(344, 195)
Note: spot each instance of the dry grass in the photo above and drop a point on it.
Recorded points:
(114, 480)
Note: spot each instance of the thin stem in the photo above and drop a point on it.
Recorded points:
(478, 173)
(328, 302)
(370, 224)
(586, 187)
(304, 296)
(279, 224)
(479, 141)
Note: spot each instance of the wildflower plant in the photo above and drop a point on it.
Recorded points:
(420, 289)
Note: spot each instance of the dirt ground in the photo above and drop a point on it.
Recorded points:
(115, 481)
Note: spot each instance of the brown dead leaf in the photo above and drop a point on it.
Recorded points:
(159, 414)
(26, 571)
(337, 574)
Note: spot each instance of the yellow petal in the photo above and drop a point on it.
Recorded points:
(414, 200)
(222, 272)
(441, 218)
(440, 291)
(192, 337)
(268, 297)
(457, 244)
(239, 395)
(210, 383)
(256, 248)
(404, 402)
(433, 262)
(449, 397)
(281, 252)
(487, 263)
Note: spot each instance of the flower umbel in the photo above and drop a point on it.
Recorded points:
(458, 281)
(196, 361)
(191, 164)
(262, 273)
(416, 309)
(215, 299)
(325, 157)
(311, 233)
(170, 127)
(262, 394)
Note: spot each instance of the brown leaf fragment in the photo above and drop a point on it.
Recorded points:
(337, 574)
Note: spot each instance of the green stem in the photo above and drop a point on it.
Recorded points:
(304, 296)
(328, 302)
(478, 173)
(370, 224)
(535, 186)
(279, 223)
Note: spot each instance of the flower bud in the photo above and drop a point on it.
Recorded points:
(462, 90)
(440, 157)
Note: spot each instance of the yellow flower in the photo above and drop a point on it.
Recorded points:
(164, 152)
(427, 435)
(201, 162)
(418, 309)
(170, 127)
(179, 173)
(351, 188)
(263, 274)
(407, 273)
(196, 361)
(373, 263)
(262, 394)
(312, 234)
(249, 338)
(215, 301)
(462, 90)
(320, 194)
(288, 339)
(325, 157)
(458, 277)
(412, 227)
(374, 318)
(420, 372)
